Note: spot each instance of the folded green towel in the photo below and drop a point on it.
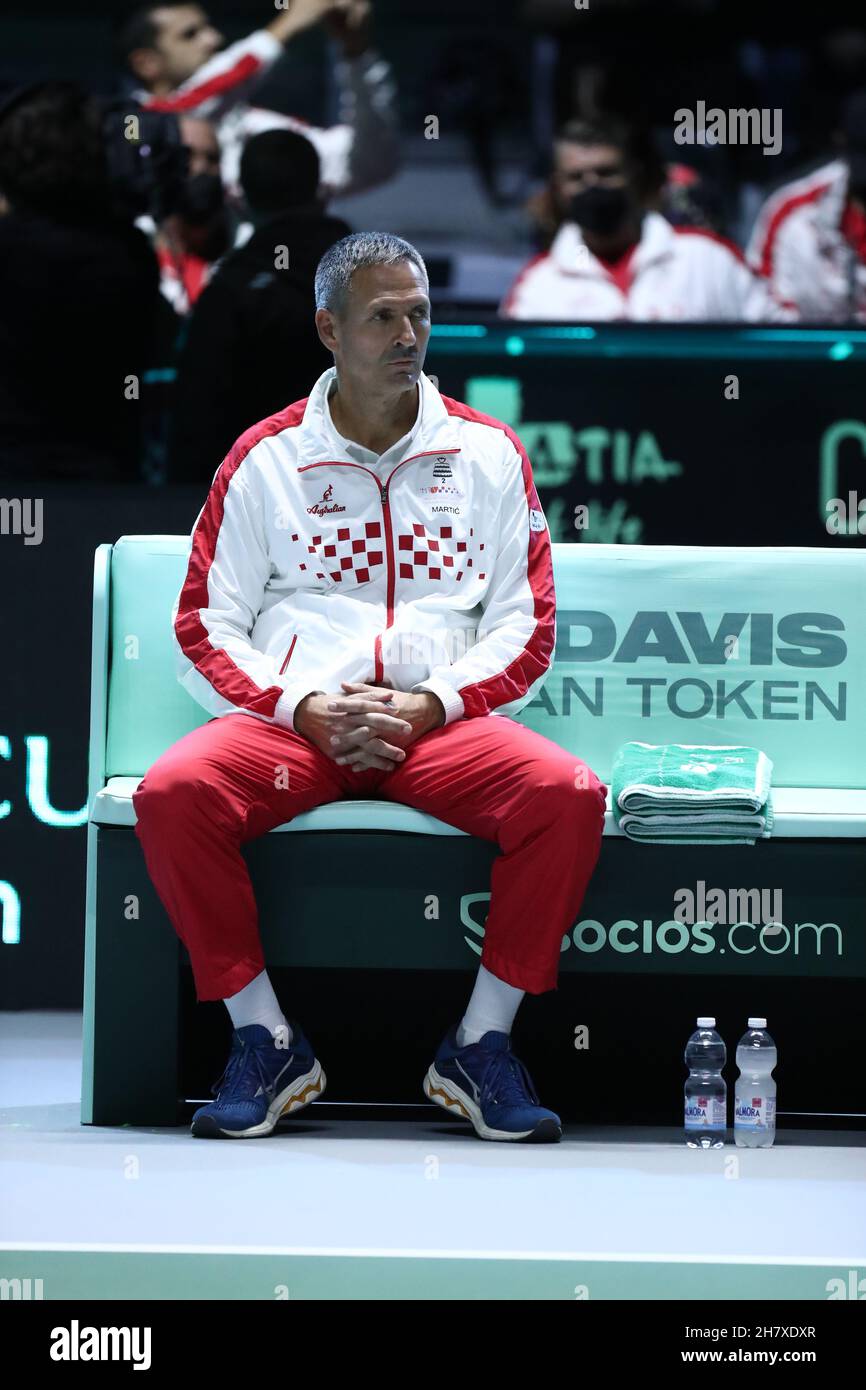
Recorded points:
(691, 826)
(677, 793)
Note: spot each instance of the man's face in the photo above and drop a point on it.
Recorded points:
(380, 337)
(200, 139)
(577, 167)
(186, 39)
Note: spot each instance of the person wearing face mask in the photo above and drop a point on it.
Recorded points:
(190, 239)
(250, 343)
(616, 257)
(809, 239)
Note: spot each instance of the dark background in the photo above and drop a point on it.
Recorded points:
(477, 62)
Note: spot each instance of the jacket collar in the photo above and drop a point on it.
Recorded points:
(572, 256)
(831, 205)
(318, 439)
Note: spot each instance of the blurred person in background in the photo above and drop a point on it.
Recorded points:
(252, 344)
(616, 257)
(809, 240)
(176, 56)
(79, 295)
(198, 229)
(687, 198)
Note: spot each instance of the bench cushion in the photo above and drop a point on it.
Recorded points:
(801, 813)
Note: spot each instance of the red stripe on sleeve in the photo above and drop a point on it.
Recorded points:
(784, 210)
(217, 667)
(508, 301)
(535, 658)
(240, 71)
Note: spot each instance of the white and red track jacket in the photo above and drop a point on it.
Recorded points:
(357, 153)
(315, 561)
(798, 242)
(675, 273)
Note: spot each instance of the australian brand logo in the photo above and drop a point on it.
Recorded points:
(323, 507)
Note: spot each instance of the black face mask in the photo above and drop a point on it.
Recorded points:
(601, 210)
(201, 198)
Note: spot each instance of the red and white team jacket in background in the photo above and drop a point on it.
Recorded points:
(314, 561)
(359, 152)
(804, 242)
(674, 273)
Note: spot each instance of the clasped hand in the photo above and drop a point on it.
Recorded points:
(370, 725)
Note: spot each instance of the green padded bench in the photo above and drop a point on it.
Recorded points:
(661, 643)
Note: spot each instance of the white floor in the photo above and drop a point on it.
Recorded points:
(609, 1204)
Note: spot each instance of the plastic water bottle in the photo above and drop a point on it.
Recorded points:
(706, 1091)
(755, 1091)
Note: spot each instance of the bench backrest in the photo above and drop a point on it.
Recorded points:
(668, 644)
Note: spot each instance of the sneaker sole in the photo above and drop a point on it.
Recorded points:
(301, 1093)
(451, 1098)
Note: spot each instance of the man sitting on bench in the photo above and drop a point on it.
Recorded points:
(369, 591)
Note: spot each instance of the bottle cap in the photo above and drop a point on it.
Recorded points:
(757, 1023)
(705, 1022)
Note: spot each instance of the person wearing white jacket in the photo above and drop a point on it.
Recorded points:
(809, 238)
(670, 274)
(809, 241)
(175, 53)
(615, 257)
(369, 595)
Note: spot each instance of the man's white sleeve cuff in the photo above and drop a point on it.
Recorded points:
(284, 713)
(451, 701)
(262, 45)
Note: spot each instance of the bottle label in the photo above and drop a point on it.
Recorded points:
(705, 1112)
(754, 1112)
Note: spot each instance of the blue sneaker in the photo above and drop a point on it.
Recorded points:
(485, 1083)
(261, 1083)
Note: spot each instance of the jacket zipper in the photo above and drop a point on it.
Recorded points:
(379, 671)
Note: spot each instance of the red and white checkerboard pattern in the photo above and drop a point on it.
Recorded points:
(420, 553)
(417, 554)
(351, 552)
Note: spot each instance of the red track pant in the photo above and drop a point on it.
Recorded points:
(237, 777)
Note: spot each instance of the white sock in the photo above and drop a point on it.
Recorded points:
(257, 1003)
(492, 1007)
